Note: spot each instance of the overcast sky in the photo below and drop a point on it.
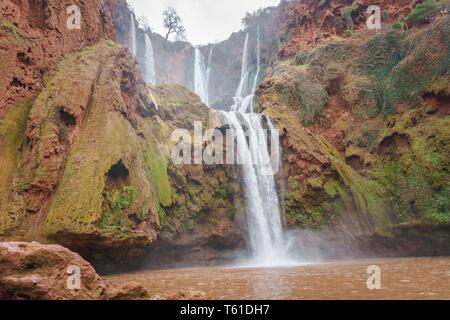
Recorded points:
(205, 20)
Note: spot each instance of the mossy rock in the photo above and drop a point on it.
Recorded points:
(86, 121)
(305, 93)
(91, 200)
(394, 87)
(12, 144)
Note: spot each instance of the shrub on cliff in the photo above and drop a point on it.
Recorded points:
(422, 12)
(305, 94)
(397, 25)
(10, 27)
(303, 57)
(348, 14)
(383, 53)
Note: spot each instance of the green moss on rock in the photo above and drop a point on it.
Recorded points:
(362, 169)
(304, 93)
(12, 142)
(5, 24)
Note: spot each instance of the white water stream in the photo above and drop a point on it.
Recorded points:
(148, 62)
(132, 36)
(264, 226)
(200, 77)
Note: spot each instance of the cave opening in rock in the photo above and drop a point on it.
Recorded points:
(117, 175)
(68, 119)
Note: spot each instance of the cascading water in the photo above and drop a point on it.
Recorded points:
(240, 92)
(148, 62)
(245, 94)
(208, 74)
(200, 76)
(264, 225)
(265, 231)
(258, 64)
(132, 36)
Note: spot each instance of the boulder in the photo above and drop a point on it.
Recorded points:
(33, 271)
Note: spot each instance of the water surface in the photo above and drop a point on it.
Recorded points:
(401, 278)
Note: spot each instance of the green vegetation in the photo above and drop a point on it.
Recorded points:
(303, 57)
(348, 11)
(10, 27)
(157, 169)
(383, 53)
(121, 198)
(422, 12)
(252, 19)
(305, 94)
(442, 200)
(12, 141)
(424, 59)
(348, 33)
(392, 170)
(119, 203)
(397, 25)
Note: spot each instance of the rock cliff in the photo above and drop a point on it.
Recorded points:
(87, 162)
(34, 37)
(365, 136)
(85, 144)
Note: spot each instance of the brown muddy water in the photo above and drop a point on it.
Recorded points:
(401, 278)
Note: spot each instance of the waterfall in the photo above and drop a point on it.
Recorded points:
(258, 63)
(264, 226)
(208, 74)
(132, 45)
(244, 70)
(200, 76)
(245, 95)
(148, 62)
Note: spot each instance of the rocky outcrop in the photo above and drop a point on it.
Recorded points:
(84, 172)
(87, 165)
(34, 36)
(365, 136)
(32, 271)
(306, 24)
(205, 221)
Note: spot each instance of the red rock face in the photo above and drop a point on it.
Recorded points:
(303, 24)
(32, 271)
(34, 36)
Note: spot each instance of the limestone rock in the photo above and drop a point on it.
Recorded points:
(32, 271)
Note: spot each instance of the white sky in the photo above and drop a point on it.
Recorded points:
(206, 21)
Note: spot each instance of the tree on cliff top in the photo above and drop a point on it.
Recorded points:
(173, 24)
(255, 18)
